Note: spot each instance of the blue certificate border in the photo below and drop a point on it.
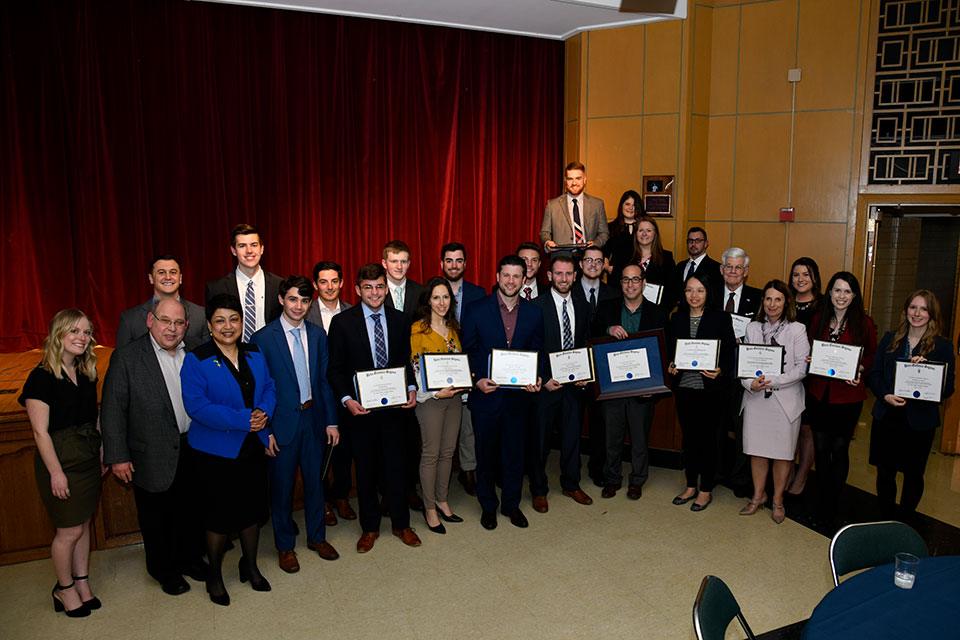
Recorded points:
(654, 342)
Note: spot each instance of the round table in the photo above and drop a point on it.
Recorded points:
(869, 605)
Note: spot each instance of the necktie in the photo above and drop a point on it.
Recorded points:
(398, 298)
(567, 331)
(729, 306)
(249, 312)
(577, 224)
(526, 292)
(379, 343)
(300, 366)
(593, 298)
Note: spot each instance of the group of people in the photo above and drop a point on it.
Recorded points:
(210, 411)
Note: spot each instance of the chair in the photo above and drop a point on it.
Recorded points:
(871, 544)
(713, 610)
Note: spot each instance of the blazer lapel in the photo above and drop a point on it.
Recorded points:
(566, 216)
(312, 348)
(284, 348)
(152, 366)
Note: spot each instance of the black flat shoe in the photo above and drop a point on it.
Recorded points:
(436, 529)
(449, 518)
(93, 603)
(696, 508)
(678, 500)
(80, 612)
(258, 584)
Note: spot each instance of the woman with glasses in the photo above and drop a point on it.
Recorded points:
(648, 252)
(619, 247)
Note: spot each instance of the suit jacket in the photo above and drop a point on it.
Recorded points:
(350, 347)
(604, 292)
(751, 299)
(271, 292)
(471, 293)
(483, 331)
(137, 418)
(553, 332)
(787, 387)
(133, 323)
(714, 325)
(558, 226)
(411, 297)
(608, 315)
(219, 420)
(273, 345)
(708, 272)
(313, 313)
(920, 415)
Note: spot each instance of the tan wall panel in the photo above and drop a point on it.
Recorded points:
(661, 76)
(613, 158)
(827, 54)
(718, 236)
(697, 177)
(615, 79)
(823, 145)
(723, 60)
(768, 35)
(572, 142)
(764, 243)
(572, 51)
(718, 203)
(660, 139)
(822, 242)
(702, 55)
(762, 163)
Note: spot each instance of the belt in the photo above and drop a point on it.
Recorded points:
(307, 404)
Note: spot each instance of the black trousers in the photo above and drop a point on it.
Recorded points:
(558, 410)
(169, 523)
(379, 443)
(697, 410)
(340, 462)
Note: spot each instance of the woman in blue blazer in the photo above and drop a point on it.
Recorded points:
(229, 395)
(903, 428)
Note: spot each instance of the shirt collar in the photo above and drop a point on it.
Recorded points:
(287, 326)
(158, 348)
(367, 311)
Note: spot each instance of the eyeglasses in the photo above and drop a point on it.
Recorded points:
(370, 287)
(696, 240)
(633, 280)
(735, 268)
(593, 260)
(166, 322)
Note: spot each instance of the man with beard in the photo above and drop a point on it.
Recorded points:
(574, 217)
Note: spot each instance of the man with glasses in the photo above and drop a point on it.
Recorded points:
(737, 296)
(165, 276)
(699, 264)
(620, 318)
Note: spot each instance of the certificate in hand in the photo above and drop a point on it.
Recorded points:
(739, 325)
(513, 368)
(572, 365)
(835, 360)
(381, 388)
(696, 355)
(653, 292)
(919, 380)
(631, 364)
(442, 370)
(755, 360)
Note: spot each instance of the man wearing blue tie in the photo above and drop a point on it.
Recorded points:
(304, 423)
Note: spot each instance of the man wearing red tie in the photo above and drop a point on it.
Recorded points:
(574, 217)
(529, 252)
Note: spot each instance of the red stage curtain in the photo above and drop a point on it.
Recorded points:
(134, 128)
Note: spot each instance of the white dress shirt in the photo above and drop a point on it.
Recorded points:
(397, 303)
(326, 315)
(533, 290)
(737, 294)
(558, 302)
(693, 264)
(170, 368)
(259, 289)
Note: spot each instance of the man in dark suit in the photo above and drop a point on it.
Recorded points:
(328, 282)
(620, 318)
(453, 264)
(252, 285)
(372, 336)
(699, 264)
(737, 296)
(560, 403)
(574, 217)
(529, 252)
(304, 422)
(165, 277)
(144, 429)
(501, 320)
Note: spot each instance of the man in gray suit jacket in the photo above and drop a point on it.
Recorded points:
(166, 278)
(144, 429)
(574, 217)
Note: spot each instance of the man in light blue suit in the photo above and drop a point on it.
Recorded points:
(304, 422)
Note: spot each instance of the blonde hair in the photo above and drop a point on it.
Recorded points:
(928, 340)
(52, 360)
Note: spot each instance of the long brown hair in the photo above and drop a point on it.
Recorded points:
(856, 317)
(52, 360)
(424, 313)
(618, 224)
(933, 327)
(656, 252)
(789, 308)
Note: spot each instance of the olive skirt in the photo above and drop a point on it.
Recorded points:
(78, 450)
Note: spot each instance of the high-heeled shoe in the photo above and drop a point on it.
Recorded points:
(80, 612)
(681, 500)
(448, 518)
(258, 584)
(753, 506)
(777, 513)
(222, 599)
(436, 529)
(93, 603)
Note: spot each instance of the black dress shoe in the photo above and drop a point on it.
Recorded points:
(196, 570)
(449, 518)
(175, 586)
(489, 520)
(517, 518)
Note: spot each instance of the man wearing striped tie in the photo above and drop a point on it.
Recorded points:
(257, 290)
(574, 218)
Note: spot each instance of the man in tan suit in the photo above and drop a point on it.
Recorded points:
(574, 217)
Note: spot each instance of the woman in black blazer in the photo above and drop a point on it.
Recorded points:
(657, 263)
(619, 246)
(903, 428)
(700, 394)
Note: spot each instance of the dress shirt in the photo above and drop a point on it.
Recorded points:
(170, 368)
(533, 290)
(393, 293)
(587, 287)
(367, 318)
(259, 289)
(509, 317)
(458, 296)
(558, 302)
(737, 294)
(326, 315)
(302, 329)
(693, 264)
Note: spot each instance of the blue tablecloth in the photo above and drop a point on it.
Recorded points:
(869, 605)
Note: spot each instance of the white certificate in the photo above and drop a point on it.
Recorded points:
(696, 355)
(513, 368)
(919, 380)
(653, 292)
(835, 360)
(626, 365)
(755, 360)
(442, 370)
(572, 365)
(380, 388)
(739, 325)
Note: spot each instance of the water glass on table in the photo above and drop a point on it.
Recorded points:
(905, 570)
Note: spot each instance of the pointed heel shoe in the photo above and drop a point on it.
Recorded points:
(777, 513)
(258, 584)
(753, 506)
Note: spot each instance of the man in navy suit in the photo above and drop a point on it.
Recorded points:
(706, 269)
(501, 320)
(304, 422)
(453, 264)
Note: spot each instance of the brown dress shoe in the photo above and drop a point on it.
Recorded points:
(469, 481)
(324, 549)
(365, 543)
(609, 490)
(408, 537)
(288, 561)
(579, 496)
(540, 504)
(634, 492)
(345, 510)
(329, 517)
